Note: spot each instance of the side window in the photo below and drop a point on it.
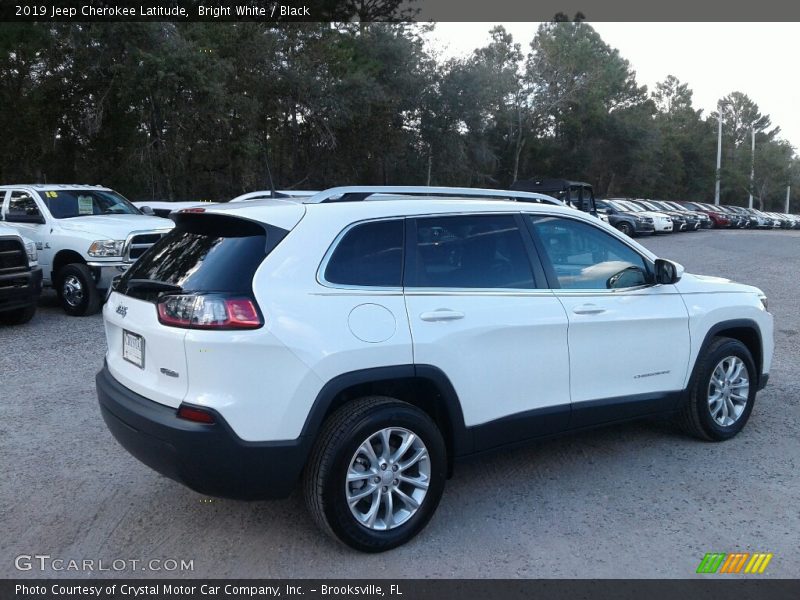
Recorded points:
(475, 251)
(22, 203)
(370, 254)
(585, 257)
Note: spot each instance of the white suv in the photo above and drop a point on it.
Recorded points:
(85, 236)
(362, 346)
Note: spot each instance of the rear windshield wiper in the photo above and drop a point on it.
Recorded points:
(152, 284)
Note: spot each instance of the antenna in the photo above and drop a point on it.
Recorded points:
(273, 193)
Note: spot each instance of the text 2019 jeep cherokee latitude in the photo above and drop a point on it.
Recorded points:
(362, 346)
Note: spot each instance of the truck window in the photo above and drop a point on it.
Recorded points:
(22, 203)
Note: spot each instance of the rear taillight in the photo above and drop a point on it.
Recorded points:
(208, 311)
(198, 415)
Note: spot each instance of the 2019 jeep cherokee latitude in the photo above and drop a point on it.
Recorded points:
(362, 346)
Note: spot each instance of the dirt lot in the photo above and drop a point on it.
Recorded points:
(639, 500)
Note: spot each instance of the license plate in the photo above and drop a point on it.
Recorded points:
(133, 348)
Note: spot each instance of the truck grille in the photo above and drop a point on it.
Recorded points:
(12, 256)
(140, 242)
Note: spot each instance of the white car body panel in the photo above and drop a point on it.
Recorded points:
(507, 355)
(164, 350)
(626, 342)
(711, 300)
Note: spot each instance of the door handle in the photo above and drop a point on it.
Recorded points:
(442, 314)
(588, 309)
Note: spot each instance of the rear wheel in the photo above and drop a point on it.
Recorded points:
(77, 291)
(18, 316)
(722, 391)
(376, 474)
(625, 228)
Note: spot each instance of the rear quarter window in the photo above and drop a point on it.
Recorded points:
(369, 255)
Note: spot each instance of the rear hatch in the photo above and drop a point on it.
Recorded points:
(198, 276)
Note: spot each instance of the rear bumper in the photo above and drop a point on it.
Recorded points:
(19, 290)
(210, 459)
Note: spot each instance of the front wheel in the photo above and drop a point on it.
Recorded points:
(625, 228)
(722, 391)
(77, 291)
(376, 474)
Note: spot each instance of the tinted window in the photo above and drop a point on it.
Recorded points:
(202, 254)
(479, 251)
(585, 257)
(21, 203)
(370, 254)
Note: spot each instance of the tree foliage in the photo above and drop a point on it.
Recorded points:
(198, 110)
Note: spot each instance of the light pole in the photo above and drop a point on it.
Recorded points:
(719, 153)
(788, 191)
(752, 167)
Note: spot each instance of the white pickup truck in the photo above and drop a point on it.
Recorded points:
(20, 277)
(85, 236)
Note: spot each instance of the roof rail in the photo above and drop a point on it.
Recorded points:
(264, 194)
(363, 192)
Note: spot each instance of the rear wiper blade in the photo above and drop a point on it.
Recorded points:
(152, 284)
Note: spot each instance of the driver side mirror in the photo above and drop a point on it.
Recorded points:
(667, 272)
(148, 211)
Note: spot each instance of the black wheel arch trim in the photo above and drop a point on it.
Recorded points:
(749, 324)
(461, 438)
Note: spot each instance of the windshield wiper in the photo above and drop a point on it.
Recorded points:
(152, 284)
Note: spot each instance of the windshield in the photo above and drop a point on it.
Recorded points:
(615, 205)
(631, 206)
(650, 205)
(64, 204)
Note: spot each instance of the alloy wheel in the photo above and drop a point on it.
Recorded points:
(388, 478)
(728, 391)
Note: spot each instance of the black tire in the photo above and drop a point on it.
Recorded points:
(18, 316)
(695, 415)
(325, 475)
(80, 302)
(625, 228)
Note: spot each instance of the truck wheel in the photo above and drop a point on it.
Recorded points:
(625, 228)
(76, 290)
(376, 474)
(18, 316)
(722, 391)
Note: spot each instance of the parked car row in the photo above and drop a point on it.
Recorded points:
(741, 217)
(638, 217)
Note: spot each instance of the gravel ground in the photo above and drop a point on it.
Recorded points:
(639, 500)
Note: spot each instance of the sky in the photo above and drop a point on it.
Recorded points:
(713, 58)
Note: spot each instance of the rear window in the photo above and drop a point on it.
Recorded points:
(203, 254)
